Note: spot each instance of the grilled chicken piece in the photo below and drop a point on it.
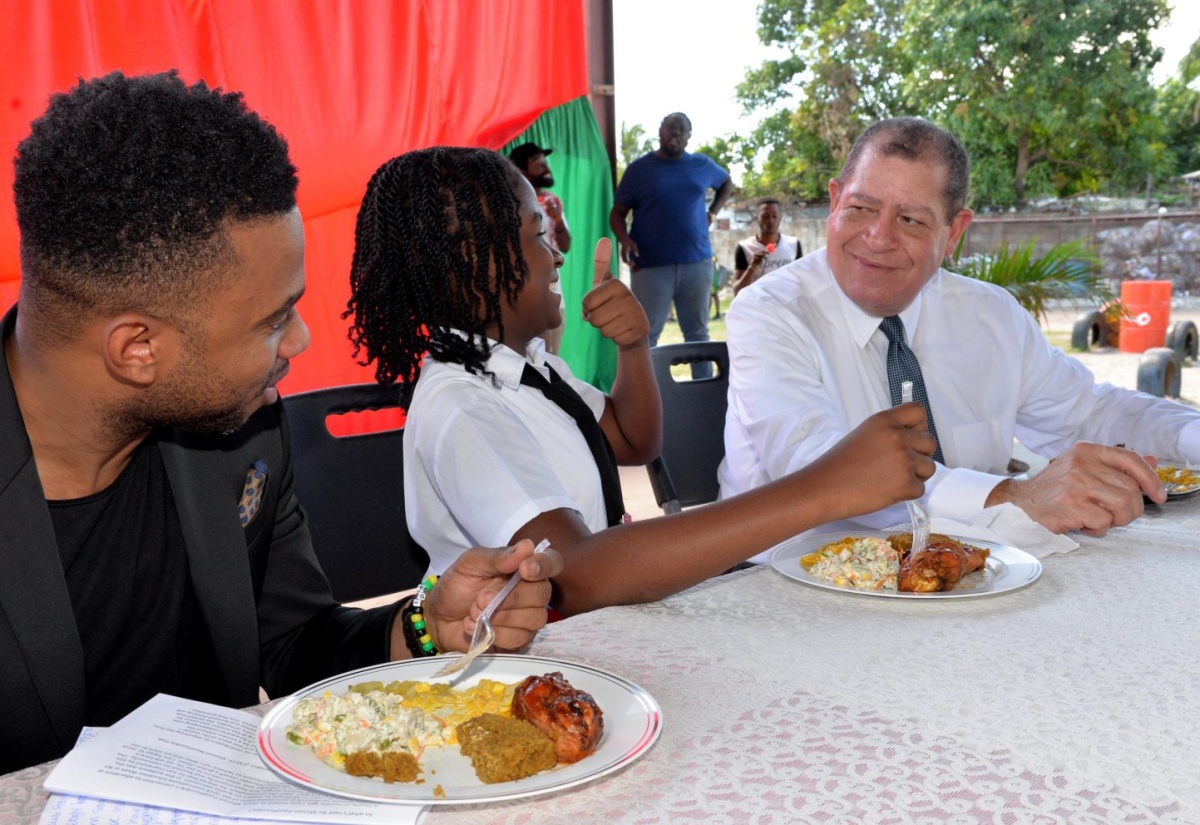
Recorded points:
(568, 716)
(939, 566)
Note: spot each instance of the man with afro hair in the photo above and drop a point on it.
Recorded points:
(152, 540)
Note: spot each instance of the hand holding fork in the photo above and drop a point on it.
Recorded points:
(916, 513)
(484, 635)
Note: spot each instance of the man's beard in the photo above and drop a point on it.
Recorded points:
(543, 181)
(179, 404)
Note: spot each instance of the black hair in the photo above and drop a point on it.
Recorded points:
(437, 246)
(767, 202)
(122, 188)
(679, 115)
(914, 138)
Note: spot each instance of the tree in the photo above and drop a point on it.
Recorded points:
(730, 153)
(1056, 93)
(1050, 96)
(634, 144)
(842, 70)
(1179, 110)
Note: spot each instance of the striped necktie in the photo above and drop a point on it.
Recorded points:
(902, 366)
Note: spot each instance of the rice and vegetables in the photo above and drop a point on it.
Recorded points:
(864, 563)
(381, 731)
(1185, 480)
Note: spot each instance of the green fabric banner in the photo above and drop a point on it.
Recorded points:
(583, 181)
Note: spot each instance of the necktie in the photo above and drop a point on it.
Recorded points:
(902, 366)
(561, 394)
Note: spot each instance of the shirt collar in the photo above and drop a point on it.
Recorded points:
(862, 326)
(508, 364)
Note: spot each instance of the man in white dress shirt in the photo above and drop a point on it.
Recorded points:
(808, 359)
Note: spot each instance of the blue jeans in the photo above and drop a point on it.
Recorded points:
(689, 286)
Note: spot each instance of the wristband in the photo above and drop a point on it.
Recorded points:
(416, 632)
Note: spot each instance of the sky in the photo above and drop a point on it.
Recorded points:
(670, 56)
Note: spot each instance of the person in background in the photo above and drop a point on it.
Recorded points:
(668, 248)
(827, 341)
(501, 439)
(720, 278)
(151, 539)
(531, 160)
(767, 250)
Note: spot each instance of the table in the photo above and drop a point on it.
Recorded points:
(1076, 699)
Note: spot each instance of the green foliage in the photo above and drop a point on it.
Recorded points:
(844, 73)
(727, 152)
(1060, 88)
(634, 143)
(1068, 270)
(798, 165)
(1052, 98)
(1178, 109)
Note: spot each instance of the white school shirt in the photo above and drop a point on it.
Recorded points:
(807, 366)
(480, 461)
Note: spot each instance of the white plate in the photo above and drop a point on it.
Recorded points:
(1006, 568)
(632, 722)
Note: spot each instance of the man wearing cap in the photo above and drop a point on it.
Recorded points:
(531, 160)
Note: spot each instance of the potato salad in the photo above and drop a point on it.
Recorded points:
(335, 725)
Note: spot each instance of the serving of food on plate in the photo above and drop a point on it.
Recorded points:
(509, 731)
(1178, 481)
(874, 563)
(516, 726)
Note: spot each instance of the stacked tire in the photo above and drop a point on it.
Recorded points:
(1090, 330)
(1159, 372)
(1182, 337)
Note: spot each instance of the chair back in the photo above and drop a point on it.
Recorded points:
(352, 489)
(693, 425)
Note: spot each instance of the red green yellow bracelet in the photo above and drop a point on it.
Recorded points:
(416, 633)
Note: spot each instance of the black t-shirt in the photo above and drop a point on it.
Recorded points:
(126, 566)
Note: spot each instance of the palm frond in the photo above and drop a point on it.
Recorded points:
(1068, 270)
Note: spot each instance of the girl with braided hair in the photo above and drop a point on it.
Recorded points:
(452, 283)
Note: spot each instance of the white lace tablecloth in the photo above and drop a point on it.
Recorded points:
(1075, 700)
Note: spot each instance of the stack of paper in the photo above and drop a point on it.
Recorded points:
(188, 763)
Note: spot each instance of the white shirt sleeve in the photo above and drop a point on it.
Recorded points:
(800, 380)
(789, 417)
(518, 485)
(483, 477)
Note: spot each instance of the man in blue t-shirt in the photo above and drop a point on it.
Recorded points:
(667, 248)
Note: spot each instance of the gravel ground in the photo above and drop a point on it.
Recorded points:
(1121, 368)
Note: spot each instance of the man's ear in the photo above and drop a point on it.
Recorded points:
(958, 225)
(136, 348)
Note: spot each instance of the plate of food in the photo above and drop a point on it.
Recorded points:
(1178, 481)
(513, 727)
(873, 563)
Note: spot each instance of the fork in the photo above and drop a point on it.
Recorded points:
(916, 513)
(484, 635)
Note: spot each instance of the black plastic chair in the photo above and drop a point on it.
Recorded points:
(685, 473)
(352, 488)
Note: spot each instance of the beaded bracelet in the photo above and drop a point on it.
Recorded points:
(416, 634)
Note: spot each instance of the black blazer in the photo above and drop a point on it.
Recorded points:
(263, 596)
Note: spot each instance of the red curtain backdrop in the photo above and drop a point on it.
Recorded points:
(348, 83)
